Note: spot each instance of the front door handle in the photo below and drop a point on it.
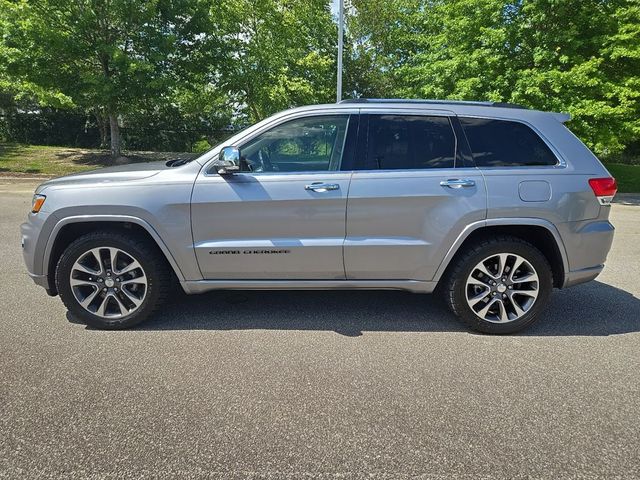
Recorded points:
(458, 183)
(322, 187)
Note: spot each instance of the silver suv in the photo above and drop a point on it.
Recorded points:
(491, 205)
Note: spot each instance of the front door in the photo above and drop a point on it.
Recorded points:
(282, 216)
(412, 194)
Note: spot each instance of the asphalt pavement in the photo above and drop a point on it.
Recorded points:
(330, 385)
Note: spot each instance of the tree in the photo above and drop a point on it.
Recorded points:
(107, 56)
(579, 56)
(282, 53)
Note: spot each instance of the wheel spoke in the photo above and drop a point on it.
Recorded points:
(102, 307)
(484, 270)
(529, 277)
(89, 298)
(123, 309)
(516, 306)
(78, 282)
(132, 266)
(477, 281)
(98, 258)
(85, 269)
(483, 313)
(516, 265)
(504, 316)
(502, 264)
(113, 257)
(528, 293)
(136, 301)
(473, 301)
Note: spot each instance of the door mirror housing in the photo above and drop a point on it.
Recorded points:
(228, 161)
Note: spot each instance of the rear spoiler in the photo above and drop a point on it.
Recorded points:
(561, 116)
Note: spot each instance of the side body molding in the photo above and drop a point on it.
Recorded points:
(494, 222)
(109, 218)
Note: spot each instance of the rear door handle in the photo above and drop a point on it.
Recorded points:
(322, 187)
(458, 183)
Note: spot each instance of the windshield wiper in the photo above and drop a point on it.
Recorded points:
(178, 162)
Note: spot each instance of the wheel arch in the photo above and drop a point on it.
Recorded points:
(540, 233)
(70, 228)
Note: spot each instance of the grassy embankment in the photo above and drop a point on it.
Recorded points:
(43, 161)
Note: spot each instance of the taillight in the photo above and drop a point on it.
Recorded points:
(604, 189)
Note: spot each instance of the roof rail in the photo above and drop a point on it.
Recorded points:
(433, 102)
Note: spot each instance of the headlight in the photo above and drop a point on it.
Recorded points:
(37, 202)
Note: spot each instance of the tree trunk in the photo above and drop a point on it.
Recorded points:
(101, 120)
(115, 135)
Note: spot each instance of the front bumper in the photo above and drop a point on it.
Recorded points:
(43, 281)
(34, 236)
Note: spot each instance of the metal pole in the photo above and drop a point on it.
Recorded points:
(340, 47)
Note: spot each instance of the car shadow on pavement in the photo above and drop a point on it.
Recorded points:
(593, 309)
(627, 199)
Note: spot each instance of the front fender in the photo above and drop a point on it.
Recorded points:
(61, 223)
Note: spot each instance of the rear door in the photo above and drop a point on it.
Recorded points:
(283, 215)
(412, 193)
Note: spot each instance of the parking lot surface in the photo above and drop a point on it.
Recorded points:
(382, 385)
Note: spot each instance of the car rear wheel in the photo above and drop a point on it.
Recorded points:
(110, 280)
(499, 286)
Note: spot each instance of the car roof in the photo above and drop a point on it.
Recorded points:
(484, 109)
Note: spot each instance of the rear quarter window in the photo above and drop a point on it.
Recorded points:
(502, 143)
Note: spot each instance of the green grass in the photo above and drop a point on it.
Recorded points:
(45, 161)
(627, 176)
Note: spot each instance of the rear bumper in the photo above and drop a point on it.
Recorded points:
(581, 276)
(587, 244)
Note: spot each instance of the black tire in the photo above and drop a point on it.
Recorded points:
(148, 255)
(453, 286)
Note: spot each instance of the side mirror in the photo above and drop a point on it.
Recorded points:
(228, 161)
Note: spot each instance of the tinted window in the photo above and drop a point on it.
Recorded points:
(409, 142)
(499, 143)
(301, 145)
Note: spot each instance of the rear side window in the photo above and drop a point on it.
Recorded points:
(409, 142)
(500, 143)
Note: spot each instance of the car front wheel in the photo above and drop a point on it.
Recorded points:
(110, 280)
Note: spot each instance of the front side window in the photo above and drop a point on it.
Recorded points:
(501, 143)
(409, 142)
(300, 145)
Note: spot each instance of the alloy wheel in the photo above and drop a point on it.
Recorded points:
(108, 282)
(502, 288)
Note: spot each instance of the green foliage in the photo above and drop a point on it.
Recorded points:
(201, 146)
(176, 71)
(579, 56)
(282, 53)
(627, 176)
